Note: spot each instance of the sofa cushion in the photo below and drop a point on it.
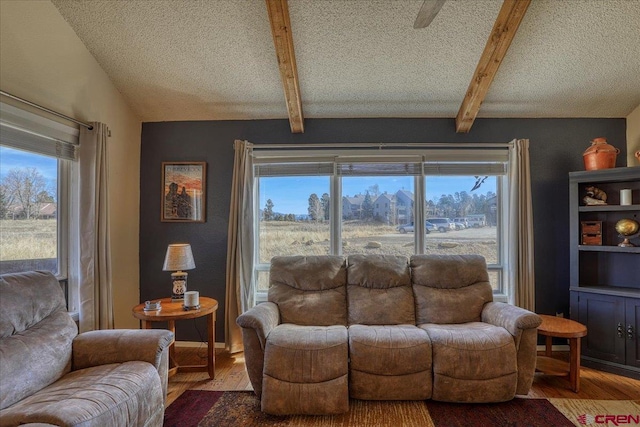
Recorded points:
(472, 362)
(305, 370)
(379, 290)
(124, 394)
(309, 290)
(450, 288)
(389, 362)
(301, 354)
(37, 333)
(27, 298)
(389, 350)
(448, 271)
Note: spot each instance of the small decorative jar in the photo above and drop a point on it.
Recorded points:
(600, 155)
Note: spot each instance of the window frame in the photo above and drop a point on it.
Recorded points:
(64, 210)
(468, 155)
(37, 134)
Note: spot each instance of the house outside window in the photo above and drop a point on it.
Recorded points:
(377, 196)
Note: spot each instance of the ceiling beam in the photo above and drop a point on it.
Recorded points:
(503, 32)
(278, 11)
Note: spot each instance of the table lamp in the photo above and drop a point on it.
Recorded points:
(179, 257)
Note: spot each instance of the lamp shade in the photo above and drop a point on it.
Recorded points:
(179, 257)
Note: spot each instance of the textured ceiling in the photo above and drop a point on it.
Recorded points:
(215, 60)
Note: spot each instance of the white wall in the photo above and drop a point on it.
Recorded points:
(633, 136)
(43, 61)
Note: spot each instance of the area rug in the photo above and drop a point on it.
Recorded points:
(242, 408)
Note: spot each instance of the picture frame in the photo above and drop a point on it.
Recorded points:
(183, 192)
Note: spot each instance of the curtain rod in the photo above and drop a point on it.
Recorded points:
(40, 107)
(383, 145)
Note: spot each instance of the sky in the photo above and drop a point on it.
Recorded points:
(13, 159)
(291, 194)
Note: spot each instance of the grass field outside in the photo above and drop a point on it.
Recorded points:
(37, 239)
(24, 239)
(361, 237)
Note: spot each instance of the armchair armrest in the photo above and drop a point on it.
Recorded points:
(513, 319)
(262, 318)
(120, 345)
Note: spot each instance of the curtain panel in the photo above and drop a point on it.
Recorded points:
(90, 252)
(520, 217)
(240, 282)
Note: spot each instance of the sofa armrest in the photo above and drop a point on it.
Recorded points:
(262, 318)
(513, 319)
(522, 325)
(120, 345)
(256, 325)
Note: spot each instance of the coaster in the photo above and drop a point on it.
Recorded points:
(195, 307)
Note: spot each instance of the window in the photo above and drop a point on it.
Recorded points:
(293, 217)
(35, 163)
(431, 201)
(366, 185)
(465, 222)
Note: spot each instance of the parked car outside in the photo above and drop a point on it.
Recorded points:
(409, 228)
(429, 227)
(405, 228)
(476, 221)
(443, 224)
(462, 221)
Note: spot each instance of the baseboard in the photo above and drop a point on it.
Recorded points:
(197, 344)
(563, 347)
(611, 367)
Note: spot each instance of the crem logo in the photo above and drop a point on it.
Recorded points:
(616, 420)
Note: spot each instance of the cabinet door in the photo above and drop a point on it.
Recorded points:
(603, 315)
(632, 313)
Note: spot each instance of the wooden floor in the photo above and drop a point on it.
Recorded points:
(231, 375)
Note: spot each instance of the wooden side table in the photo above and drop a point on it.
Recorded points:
(172, 311)
(563, 328)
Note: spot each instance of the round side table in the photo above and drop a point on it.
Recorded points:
(172, 311)
(553, 326)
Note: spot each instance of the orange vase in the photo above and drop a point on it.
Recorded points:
(600, 155)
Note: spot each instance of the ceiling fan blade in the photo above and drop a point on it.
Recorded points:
(428, 11)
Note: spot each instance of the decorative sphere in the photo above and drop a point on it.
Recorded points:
(627, 227)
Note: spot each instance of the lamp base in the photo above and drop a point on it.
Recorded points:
(179, 279)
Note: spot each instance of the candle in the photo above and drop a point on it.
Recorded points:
(625, 197)
(191, 299)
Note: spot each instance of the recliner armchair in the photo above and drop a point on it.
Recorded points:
(50, 375)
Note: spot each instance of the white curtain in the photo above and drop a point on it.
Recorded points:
(90, 264)
(520, 217)
(239, 279)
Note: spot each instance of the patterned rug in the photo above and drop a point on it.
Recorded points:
(242, 408)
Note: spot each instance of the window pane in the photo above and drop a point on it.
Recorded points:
(28, 211)
(262, 281)
(377, 215)
(495, 278)
(294, 216)
(464, 219)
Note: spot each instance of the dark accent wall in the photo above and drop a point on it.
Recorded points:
(556, 147)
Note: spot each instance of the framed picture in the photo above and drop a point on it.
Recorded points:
(183, 191)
